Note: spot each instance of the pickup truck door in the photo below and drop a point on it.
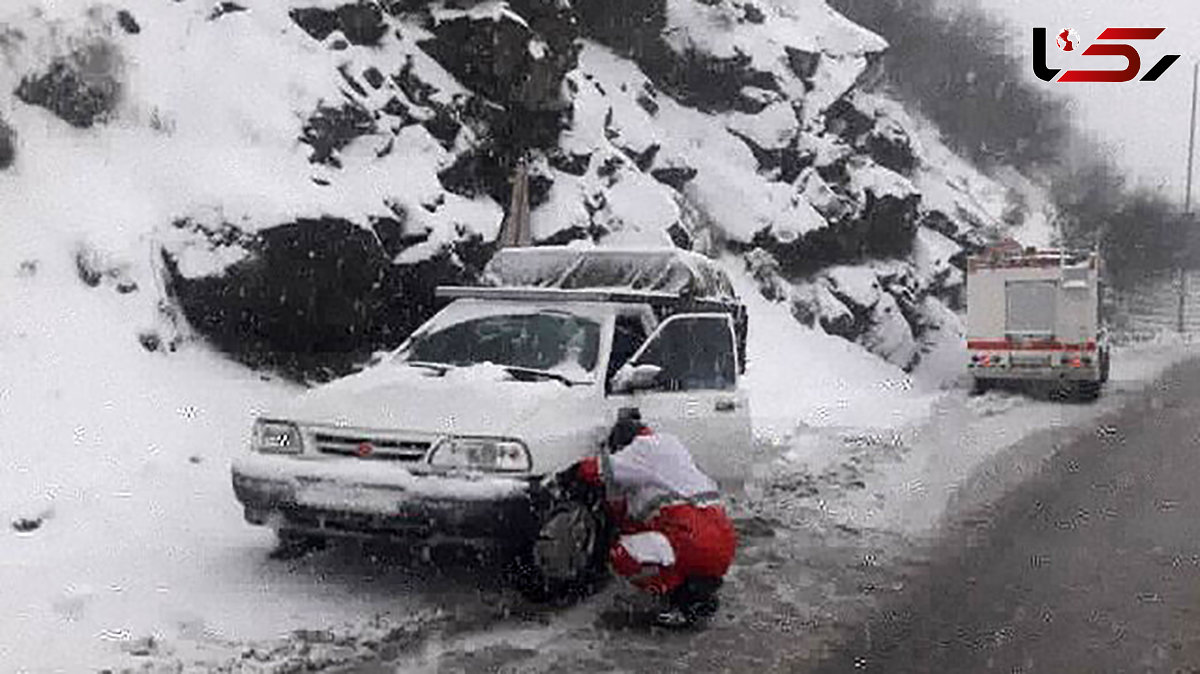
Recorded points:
(696, 396)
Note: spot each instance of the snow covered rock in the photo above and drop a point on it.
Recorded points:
(878, 128)
(722, 55)
(330, 129)
(81, 89)
(359, 23)
(499, 54)
(313, 298)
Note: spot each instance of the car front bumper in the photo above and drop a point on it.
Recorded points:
(305, 496)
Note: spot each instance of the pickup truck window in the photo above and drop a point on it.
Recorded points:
(628, 336)
(557, 341)
(694, 353)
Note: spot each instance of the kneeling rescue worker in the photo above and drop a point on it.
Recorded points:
(675, 540)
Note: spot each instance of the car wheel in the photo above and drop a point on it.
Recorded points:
(567, 559)
(290, 544)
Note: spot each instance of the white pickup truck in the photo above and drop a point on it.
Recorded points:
(450, 437)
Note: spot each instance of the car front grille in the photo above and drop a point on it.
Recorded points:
(370, 446)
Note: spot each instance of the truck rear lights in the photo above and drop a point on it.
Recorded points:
(985, 360)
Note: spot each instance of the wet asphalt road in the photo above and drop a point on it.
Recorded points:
(1092, 566)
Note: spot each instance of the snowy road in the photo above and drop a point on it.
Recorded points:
(1092, 566)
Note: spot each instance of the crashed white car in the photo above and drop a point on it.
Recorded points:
(450, 437)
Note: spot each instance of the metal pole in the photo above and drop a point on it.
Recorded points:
(1187, 199)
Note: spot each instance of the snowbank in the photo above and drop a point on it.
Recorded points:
(801, 377)
(906, 479)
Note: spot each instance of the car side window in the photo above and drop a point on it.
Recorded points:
(695, 353)
(628, 336)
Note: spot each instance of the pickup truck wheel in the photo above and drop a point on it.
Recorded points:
(567, 558)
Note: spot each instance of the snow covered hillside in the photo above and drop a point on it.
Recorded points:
(302, 174)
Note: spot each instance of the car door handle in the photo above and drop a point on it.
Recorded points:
(725, 405)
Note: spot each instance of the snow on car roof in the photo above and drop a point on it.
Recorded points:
(668, 270)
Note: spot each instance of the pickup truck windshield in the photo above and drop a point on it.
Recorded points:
(551, 341)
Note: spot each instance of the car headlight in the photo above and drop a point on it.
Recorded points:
(490, 454)
(277, 437)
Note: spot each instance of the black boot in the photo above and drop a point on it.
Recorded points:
(693, 602)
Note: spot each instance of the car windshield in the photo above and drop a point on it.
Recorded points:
(551, 341)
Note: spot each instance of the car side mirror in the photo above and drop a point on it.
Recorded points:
(635, 378)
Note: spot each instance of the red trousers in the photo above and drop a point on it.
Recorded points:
(702, 540)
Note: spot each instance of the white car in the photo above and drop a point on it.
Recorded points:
(452, 436)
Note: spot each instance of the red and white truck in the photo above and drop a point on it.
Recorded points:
(1034, 316)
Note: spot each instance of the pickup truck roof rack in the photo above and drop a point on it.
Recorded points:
(654, 270)
(657, 299)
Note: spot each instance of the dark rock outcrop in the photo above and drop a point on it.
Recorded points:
(511, 59)
(636, 29)
(82, 90)
(8, 145)
(127, 23)
(316, 297)
(883, 229)
(331, 129)
(360, 23)
(223, 8)
(675, 177)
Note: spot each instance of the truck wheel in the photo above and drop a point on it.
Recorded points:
(980, 386)
(567, 560)
(1087, 390)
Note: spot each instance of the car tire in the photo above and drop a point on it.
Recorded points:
(291, 544)
(567, 560)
